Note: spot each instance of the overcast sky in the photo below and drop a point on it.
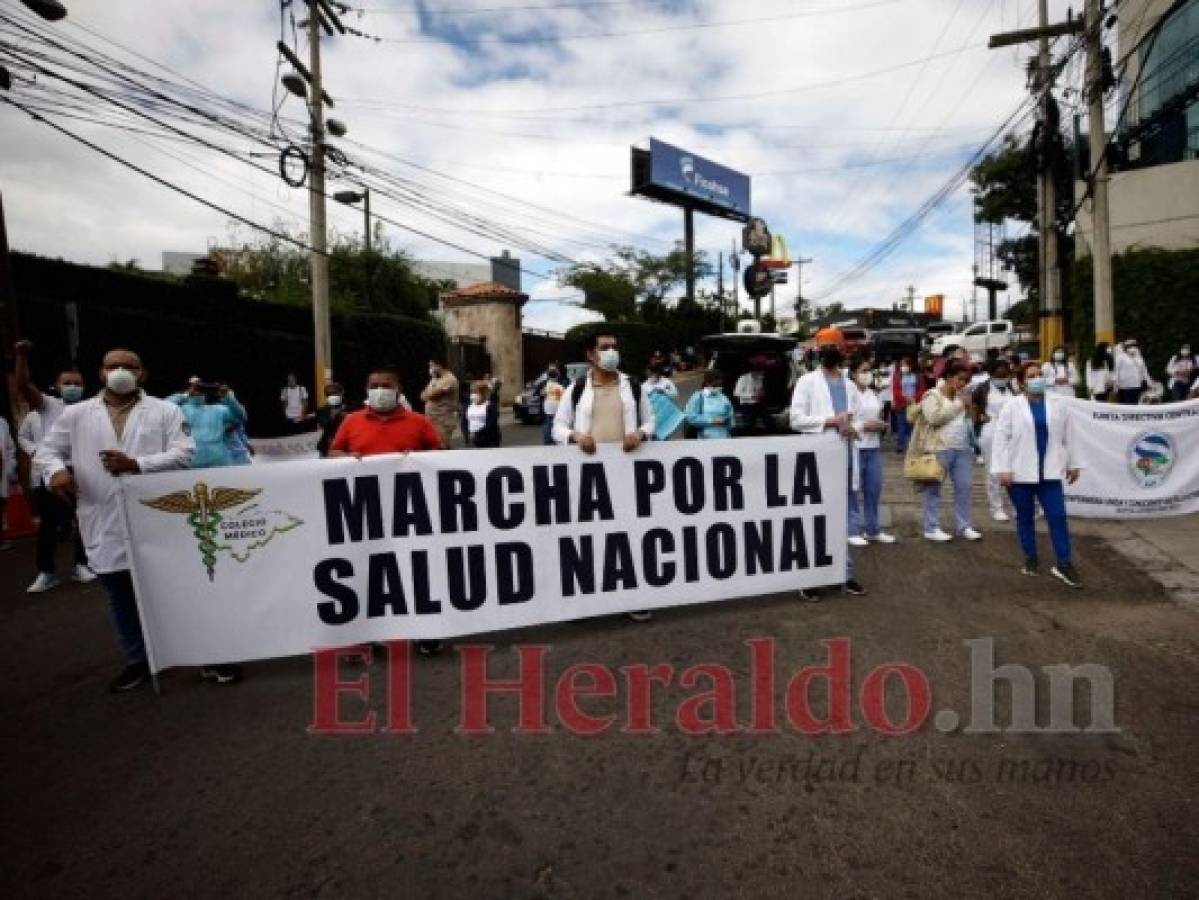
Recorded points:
(847, 114)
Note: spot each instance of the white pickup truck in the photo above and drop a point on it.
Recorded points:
(977, 339)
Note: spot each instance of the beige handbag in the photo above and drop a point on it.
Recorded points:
(920, 466)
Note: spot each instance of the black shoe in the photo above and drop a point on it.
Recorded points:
(222, 674)
(429, 648)
(809, 596)
(1066, 573)
(641, 615)
(1029, 568)
(853, 587)
(132, 676)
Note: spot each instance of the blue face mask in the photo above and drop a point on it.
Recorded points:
(1000, 383)
(1035, 385)
(72, 393)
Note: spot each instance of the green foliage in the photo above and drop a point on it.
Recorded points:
(1005, 188)
(200, 326)
(1156, 293)
(635, 284)
(636, 341)
(379, 281)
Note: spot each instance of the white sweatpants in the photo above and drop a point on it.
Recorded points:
(995, 491)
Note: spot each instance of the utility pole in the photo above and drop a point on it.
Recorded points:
(800, 262)
(720, 286)
(1042, 87)
(1101, 250)
(9, 325)
(322, 340)
(689, 249)
(736, 263)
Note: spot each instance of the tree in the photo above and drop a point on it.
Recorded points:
(607, 288)
(381, 281)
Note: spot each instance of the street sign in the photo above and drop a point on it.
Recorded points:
(755, 238)
(757, 281)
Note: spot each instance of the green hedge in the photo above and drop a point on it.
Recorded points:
(193, 327)
(635, 340)
(1156, 301)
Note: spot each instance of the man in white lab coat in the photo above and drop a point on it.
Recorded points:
(827, 400)
(92, 443)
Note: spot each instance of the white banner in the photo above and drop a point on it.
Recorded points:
(286, 449)
(1139, 462)
(246, 563)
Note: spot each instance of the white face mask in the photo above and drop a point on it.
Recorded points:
(334, 400)
(905, 370)
(476, 399)
(120, 381)
(1059, 357)
(609, 360)
(1186, 351)
(382, 399)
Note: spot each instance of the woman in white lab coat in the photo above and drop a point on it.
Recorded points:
(1034, 457)
(1060, 373)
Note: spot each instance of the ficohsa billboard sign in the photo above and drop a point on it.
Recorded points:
(688, 174)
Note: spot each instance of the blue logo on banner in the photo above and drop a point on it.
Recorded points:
(1151, 456)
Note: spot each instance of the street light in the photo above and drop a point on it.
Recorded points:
(295, 83)
(50, 10)
(351, 198)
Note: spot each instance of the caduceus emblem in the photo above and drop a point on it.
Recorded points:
(203, 510)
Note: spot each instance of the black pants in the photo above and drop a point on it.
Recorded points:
(1129, 396)
(54, 514)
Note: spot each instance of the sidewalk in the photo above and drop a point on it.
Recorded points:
(1165, 550)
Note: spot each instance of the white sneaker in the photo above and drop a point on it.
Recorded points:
(939, 536)
(971, 535)
(881, 538)
(1001, 516)
(83, 574)
(45, 581)
(858, 541)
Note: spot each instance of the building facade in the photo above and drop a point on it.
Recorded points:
(490, 313)
(1153, 190)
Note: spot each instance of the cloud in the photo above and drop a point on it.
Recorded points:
(548, 117)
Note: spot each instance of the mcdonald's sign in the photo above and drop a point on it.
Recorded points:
(779, 258)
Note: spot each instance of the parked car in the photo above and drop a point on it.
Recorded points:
(934, 330)
(977, 339)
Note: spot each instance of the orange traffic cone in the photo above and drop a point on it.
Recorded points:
(20, 519)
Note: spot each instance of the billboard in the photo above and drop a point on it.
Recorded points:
(676, 176)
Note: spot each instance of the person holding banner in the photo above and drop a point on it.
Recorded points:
(605, 407)
(121, 431)
(1033, 455)
(1131, 375)
(385, 426)
(826, 400)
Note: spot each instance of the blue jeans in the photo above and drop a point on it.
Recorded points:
(903, 430)
(959, 468)
(122, 609)
(1053, 502)
(864, 504)
(547, 429)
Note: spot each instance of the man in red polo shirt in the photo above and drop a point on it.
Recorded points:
(383, 426)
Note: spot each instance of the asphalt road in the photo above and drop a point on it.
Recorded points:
(210, 791)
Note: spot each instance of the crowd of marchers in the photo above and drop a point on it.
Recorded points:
(945, 416)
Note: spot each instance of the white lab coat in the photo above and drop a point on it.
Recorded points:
(8, 458)
(1015, 444)
(812, 406)
(1099, 381)
(1131, 372)
(1052, 371)
(568, 419)
(154, 435)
